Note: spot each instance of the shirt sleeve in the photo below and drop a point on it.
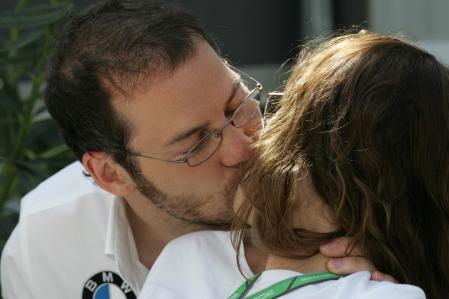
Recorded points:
(13, 281)
(396, 291)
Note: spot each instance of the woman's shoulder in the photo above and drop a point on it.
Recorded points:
(360, 285)
(201, 264)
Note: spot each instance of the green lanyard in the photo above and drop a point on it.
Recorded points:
(282, 287)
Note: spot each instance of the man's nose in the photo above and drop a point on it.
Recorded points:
(254, 126)
(235, 147)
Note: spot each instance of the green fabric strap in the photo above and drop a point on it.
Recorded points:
(282, 287)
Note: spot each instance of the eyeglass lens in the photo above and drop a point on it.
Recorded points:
(247, 113)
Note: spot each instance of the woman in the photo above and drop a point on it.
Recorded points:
(358, 147)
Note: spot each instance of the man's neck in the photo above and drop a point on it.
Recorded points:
(152, 234)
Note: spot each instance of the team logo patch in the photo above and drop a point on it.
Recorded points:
(107, 285)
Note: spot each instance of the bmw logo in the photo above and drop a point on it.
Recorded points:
(107, 285)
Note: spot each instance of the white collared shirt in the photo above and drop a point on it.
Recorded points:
(202, 265)
(73, 240)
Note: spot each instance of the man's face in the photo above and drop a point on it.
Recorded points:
(168, 117)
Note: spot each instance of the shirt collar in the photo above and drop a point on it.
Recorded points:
(120, 245)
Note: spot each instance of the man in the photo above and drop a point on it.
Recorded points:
(159, 123)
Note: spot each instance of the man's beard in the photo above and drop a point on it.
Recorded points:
(190, 208)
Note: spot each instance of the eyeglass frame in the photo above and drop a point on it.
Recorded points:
(185, 158)
(270, 108)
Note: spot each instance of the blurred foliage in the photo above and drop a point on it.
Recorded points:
(30, 146)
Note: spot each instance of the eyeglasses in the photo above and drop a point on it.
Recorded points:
(247, 114)
(272, 104)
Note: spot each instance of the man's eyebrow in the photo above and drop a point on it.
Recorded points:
(187, 134)
(190, 132)
(235, 86)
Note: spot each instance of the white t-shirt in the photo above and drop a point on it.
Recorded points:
(73, 240)
(203, 265)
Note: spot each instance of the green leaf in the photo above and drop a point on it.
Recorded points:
(11, 104)
(23, 62)
(42, 116)
(33, 17)
(53, 152)
(24, 41)
(8, 222)
(39, 109)
(30, 171)
(31, 148)
(43, 133)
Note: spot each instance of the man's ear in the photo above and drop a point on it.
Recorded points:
(108, 174)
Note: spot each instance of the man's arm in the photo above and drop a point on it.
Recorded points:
(340, 263)
(13, 280)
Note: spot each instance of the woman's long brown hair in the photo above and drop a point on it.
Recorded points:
(366, 116)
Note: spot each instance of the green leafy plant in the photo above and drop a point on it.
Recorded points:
(30, 146)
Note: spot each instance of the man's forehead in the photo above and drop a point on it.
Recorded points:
(198, 125)
(171, 104)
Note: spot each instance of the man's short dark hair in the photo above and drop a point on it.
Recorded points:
(102, 51)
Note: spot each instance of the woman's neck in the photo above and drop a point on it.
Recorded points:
(259, 261)
(313, 264)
